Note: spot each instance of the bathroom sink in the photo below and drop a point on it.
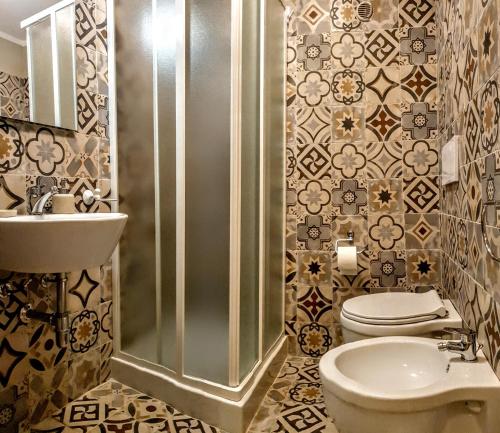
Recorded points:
(58, 243)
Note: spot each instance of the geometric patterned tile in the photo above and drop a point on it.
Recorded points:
(422, 231)
(384, 160)
(416, 13)
(424, 267)
(421, 194)
(420, 158)
(382, 48)
(418, 45)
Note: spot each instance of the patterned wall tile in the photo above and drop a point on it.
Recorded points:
(313, 197)
(313, 89)
(344, 15)
(488, 36)
(420, 158)
(385, 15)
(314, 304)
(348, 50)
(489, 113)
(314, 267)
(342, 225)
(424, 267)
(416, 13)
(387, 232)
(13, 192)
(312, 17)
(313, 233)
(422, 231)
(490, 188)
(349, 197)
(382, 86)
(382, 48)
(383, 123)
(418, 45)
(101, 22)
(348, 86)
(348, 160)
(348, 286)
(385, 196)
(313, 125)
(421, 194)
(384, 160)
(85, 23)
(313, 52)
(314, 161)
(419, 83)
(348, 123)
(388, 269)
(419, 121)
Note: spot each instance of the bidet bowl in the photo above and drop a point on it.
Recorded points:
(58, 243)
(405, 385)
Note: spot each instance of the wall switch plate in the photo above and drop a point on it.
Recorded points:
(449, 161)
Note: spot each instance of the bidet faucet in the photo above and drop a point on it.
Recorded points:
(39, 207)
(467, 347)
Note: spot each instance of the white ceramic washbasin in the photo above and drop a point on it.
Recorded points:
(58, 243)
(404, 384)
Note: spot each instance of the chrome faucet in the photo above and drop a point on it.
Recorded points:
(39, 207)
(467, 347)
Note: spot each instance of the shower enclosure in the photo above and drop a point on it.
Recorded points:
(201, 136)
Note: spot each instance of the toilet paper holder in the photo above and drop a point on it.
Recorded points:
(350, 240)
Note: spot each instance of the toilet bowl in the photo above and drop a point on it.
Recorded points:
(393, 314)
(405, 385)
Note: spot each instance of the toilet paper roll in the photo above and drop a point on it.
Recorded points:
(63, 203)
(348, 260)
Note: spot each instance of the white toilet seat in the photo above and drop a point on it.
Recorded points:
(395, 308)
(366, 330)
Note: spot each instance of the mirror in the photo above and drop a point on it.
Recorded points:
(37, 62)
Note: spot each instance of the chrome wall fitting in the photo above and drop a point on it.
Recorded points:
(60, 318)
(487, 243)
(350, 240)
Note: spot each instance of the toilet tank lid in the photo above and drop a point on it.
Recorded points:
(393, 306)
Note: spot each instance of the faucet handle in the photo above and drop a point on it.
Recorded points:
(462, 331)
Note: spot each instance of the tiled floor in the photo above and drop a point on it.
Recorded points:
(293, 404)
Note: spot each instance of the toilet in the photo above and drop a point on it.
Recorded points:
(397, 314)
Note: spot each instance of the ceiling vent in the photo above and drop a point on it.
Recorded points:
(365, 11)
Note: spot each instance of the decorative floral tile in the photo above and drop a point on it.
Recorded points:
(386, 232)
(382, 86)
(348, 86)
(349, 197)
(105, 159)
(84, 331)
(422, 231)
(87, 112)
(388, 269)
(314, 197)
(313, 52)
(314, 339)
(100, 17)
(44, 353)
(291, 231)
(384, 160)
(385, 196)
(102, 74)
(472, 131)
(419, 121)
(313, 89)
(348, 123)
(424, 267)
(314, 233)
(417, 13)
(84, 413)
(45, 152)
(11, 148)
(313, 125)
(476, 257)
(344, 15)
(314, 267)
(290, 303)
(14, 365)
(86, 69)
(314, 161)
(291, 267)
(314, 304)
(348, 50)
(418, 45)
(421, 194)
(105, 366)
(382, 48)
(348, 160)
(419, 84)
(291, 90)
(383, 123)
(420, 158)
(106, 317)
(385, 15)
(473, 193)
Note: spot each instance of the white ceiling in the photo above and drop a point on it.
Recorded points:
(12, 12)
